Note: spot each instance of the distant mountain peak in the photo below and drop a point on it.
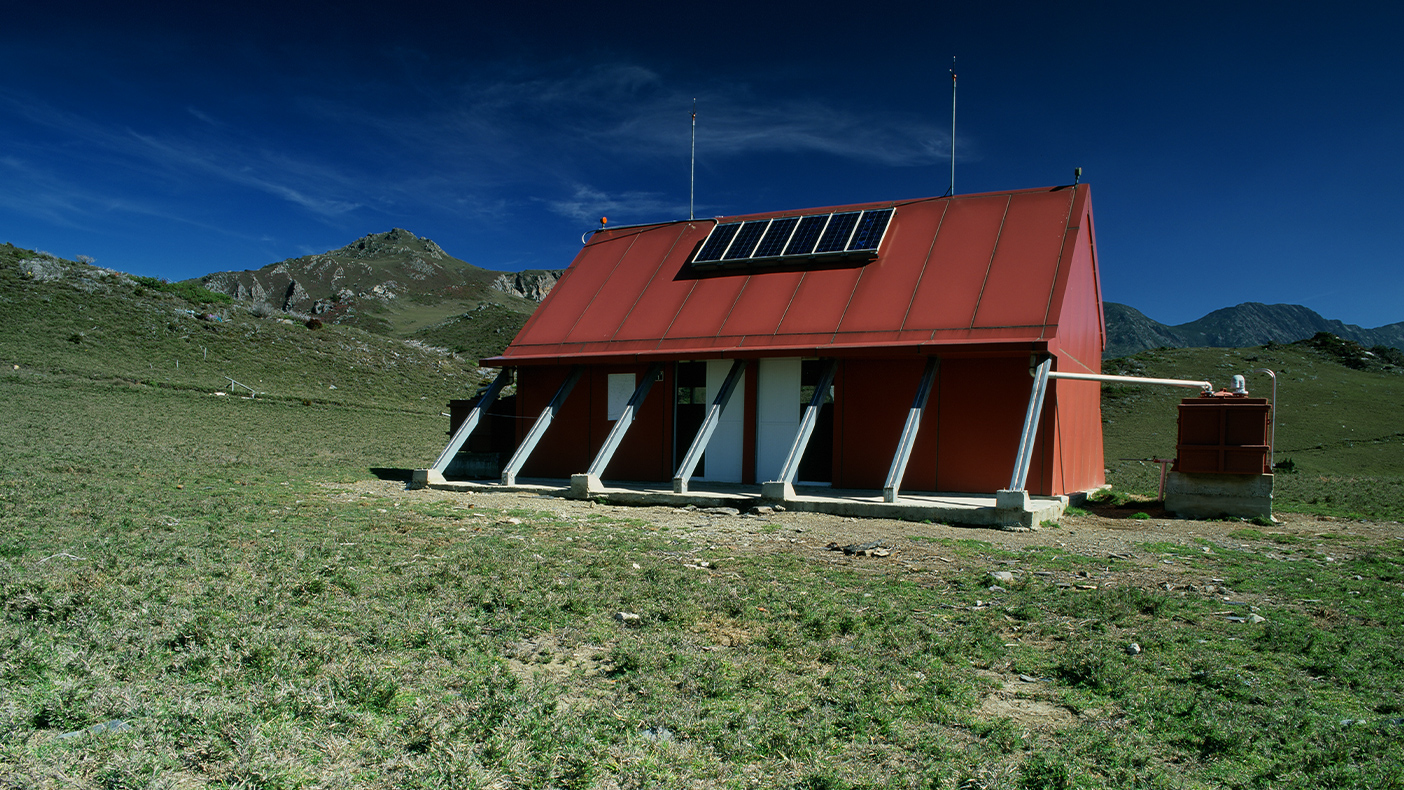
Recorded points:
(1248, 324)
(391, 242)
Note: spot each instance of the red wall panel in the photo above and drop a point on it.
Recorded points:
(982, 407)
(871, 401)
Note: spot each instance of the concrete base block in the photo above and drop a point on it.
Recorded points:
(1011, 500)
(1202, 495)
(777, 491)
(585, 486)
(423, 478)
(1016, 509)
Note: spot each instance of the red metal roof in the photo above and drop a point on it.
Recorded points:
(971, 269)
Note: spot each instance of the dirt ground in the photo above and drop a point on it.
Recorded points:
(1107, 532)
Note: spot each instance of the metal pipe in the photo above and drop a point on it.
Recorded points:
(583, 240)
(538, 429)
(470, 423)
(1204, 385)
(1272, 436)
(790, 470)
(898, 470)
(1024, 457)
(709, 425)
(621, 425)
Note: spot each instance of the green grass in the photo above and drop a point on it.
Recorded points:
(1340, 427)
(258, 624)
(204, 570)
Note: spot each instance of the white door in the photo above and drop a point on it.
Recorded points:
(777, 415)
(723, 456)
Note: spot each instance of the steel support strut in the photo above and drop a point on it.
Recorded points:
(1024, 457)
(790, 470)
(538, 429)
(909, 432)
(621, 425)
(470, 423)
(709, 426)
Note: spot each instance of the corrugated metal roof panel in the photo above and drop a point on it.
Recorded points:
(955, 274)
(968, 269)
(1025, 262)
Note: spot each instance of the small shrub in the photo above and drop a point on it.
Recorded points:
(1141, 516)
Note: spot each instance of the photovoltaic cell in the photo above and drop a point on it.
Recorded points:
(842, 234)
(870, 229)
(806, 234)
(717, 242)
(773, 242)
(835, 236)
(746, 240)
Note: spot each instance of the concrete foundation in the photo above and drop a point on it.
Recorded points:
(585, 486)
(423, 478)
(1204, 495)
(1020, 511)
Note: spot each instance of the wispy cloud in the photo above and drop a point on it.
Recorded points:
(629, 109)
(178, 158)
(588, 204)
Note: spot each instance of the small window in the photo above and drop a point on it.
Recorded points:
(621, 389)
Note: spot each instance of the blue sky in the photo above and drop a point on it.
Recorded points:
(1237, 151)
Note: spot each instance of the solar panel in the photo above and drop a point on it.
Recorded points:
(870, 229)
(802, 243)
(836, 235)
(746, 240)
(813, 239)
(717, 242)
(773, 242)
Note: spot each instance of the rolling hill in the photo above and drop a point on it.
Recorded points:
(397, 284)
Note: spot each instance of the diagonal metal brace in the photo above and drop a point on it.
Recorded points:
(538, 429)
(909, 432)
(709, 426)
(470, 424)
(1024, 457)
(790, 470)
(621, 425)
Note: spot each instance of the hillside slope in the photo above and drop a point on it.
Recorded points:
(67, 321)
(399, 284)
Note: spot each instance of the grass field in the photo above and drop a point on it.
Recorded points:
(202, 573)
(193, 567)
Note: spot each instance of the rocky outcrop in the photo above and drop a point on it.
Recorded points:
(531, 284)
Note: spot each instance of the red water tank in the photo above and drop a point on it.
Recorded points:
(1224, 433)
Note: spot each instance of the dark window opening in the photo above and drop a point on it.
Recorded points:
(689, 410)
(817, 464)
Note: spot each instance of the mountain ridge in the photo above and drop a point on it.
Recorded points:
(1130, 331)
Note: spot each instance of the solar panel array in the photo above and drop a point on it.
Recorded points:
(819, 237)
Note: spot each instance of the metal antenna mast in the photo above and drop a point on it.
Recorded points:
(951, 191)
(692, 181)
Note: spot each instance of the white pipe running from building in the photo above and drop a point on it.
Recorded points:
(1204, 385)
